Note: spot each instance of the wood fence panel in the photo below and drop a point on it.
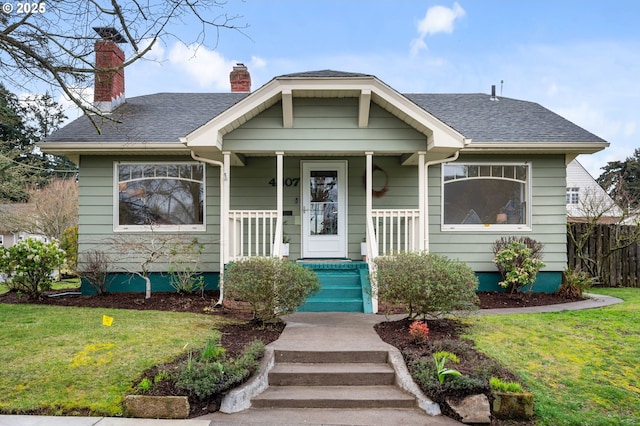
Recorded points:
(620, 268)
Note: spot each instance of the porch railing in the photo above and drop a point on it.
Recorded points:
(252, 233)
(396, 230)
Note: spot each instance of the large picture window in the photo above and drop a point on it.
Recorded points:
(159, 196)
(485, 196)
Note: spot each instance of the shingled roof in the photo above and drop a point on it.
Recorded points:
(166, 117)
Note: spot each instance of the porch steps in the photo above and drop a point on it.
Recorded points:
(343, 287)
(317, 379)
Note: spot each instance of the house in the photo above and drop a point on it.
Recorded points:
(11, 231)
(586, 200)
(331, 159)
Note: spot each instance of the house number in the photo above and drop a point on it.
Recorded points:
(286, 182)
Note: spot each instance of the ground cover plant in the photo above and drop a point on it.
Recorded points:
(581, 366)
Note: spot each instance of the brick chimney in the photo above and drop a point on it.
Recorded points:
(109, 79)
(240, 79)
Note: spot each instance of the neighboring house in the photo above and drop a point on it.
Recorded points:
(10, 232)
(586, 200)
(336, 157)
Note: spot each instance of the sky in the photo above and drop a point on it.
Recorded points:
(580, 59)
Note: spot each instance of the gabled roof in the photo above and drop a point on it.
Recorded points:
(165, 122)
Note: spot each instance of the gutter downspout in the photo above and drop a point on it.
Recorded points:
(222, 227)
(454, 157)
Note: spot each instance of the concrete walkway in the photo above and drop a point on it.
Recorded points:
(311, 331)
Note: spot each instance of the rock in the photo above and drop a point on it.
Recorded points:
(156, 407)
(472, 409)
(510, 405)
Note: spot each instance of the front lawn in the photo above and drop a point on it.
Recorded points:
(64, 360)
(583, 367)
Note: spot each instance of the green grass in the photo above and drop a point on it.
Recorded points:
(64, 360)
(58, 285)
(583, 367)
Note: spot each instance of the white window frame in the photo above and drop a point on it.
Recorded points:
(489, 227)
(156, 228)
(573, 193)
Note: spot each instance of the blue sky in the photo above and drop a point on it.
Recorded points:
(580, 59)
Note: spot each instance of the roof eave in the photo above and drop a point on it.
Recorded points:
(104, 148)
(535, 147)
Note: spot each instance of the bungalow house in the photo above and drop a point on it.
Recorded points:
(329, 160)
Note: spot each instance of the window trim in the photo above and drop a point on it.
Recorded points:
(157, 228)
(571, 192)
(490, 227)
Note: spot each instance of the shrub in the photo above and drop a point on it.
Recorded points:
(575, 283)
(94, 270)
(29, 265)
(419, 331)
(206, 378)
(517, 265)
(272, 286)
(426, 283)
(185, 269)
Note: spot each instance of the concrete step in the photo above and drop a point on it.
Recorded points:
(332, 305)
(333, 397)
(329, 374)
(339, 292)
(331, 356)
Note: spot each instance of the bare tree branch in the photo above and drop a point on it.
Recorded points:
(55, 44)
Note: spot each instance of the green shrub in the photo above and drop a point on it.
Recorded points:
(29, 265)
(518, 260)
(205, 378)
(272, 286)
(426, 284)
(575, 283)
(186, 266)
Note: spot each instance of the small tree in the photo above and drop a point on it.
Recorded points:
(272, 286)
(426, 284)
(29, 265)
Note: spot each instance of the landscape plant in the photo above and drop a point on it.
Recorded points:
(186, 267)
(94, 270)
(29, 265)
(426, 284)
(271, 286)
(212, 373)
(419, 331)
(497, 384)
(518, 265)
(575, 283)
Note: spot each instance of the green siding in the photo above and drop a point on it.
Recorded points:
(548, 223)
(95, 227)
(329, 125)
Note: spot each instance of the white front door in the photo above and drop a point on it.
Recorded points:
(324, 209)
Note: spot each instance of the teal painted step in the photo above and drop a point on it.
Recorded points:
(341, 290)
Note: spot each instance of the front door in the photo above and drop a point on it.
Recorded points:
(324, 209)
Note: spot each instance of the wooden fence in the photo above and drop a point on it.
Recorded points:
(615, 248)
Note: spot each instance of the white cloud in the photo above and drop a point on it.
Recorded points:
(207, 67)
(156, 53)
(438, 19)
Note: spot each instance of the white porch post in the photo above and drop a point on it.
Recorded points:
(225, 204)
(279, 196)
(368, 194)
(423, 205)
